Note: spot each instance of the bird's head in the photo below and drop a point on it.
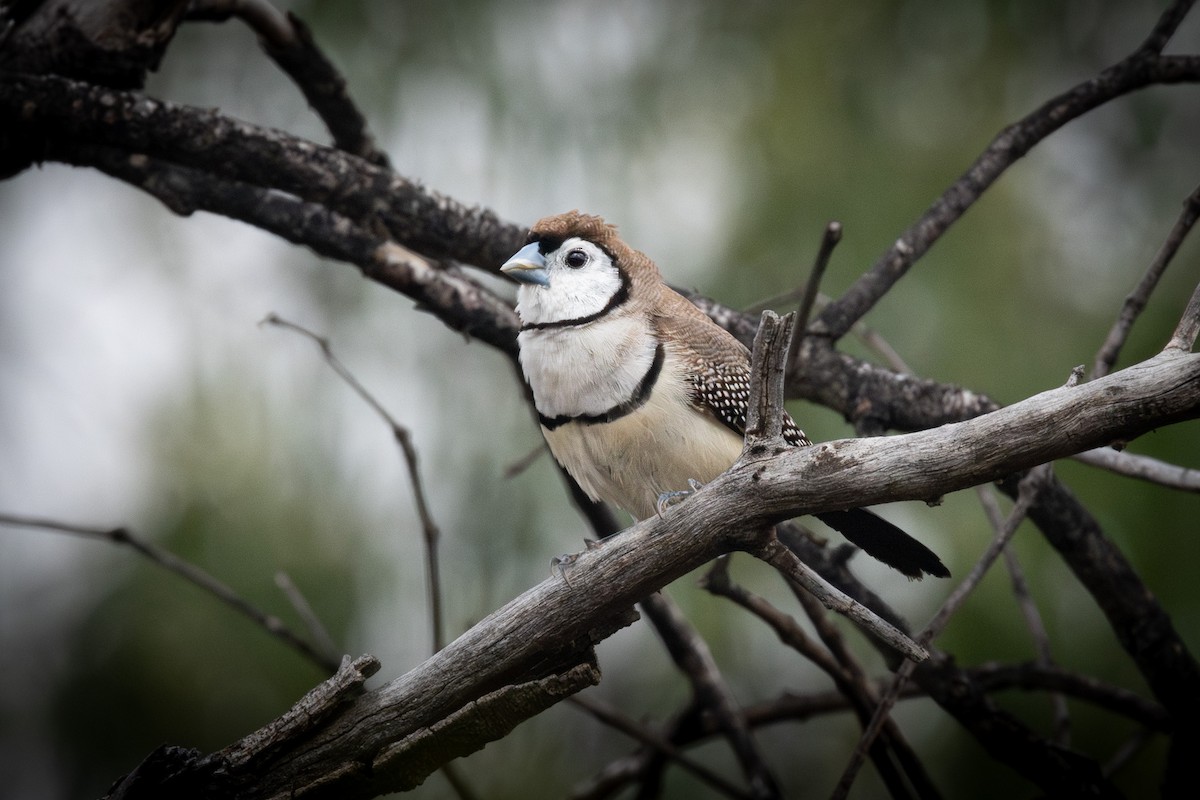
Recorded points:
(575, 269)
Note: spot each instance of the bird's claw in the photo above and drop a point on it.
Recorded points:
(668, 499)
(560, 564)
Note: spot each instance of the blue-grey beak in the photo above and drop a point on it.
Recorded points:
(528, 266)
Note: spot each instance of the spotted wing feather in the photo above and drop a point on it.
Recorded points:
(720, 369)
(720, 386)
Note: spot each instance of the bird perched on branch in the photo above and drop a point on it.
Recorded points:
(639, 393)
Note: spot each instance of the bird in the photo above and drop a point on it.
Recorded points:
(638, 393)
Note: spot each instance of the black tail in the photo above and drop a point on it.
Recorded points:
(884, 541)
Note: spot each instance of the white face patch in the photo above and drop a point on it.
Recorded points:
(583, 279)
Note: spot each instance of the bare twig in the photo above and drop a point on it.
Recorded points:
(1029, 488)
(189, 572)
(403, 438)
(691, 654)
(69, 114)
(1184, 337)
(835, 661)
(289, 42)
(777, 555)
(1029, 610)
(523, 463)
(615, 719)
(1131, 465)
(1137, 299)
(829, 240)
(865, 699)
(717, 581)
(1145, 65)
(1127, 751)
(322, 641)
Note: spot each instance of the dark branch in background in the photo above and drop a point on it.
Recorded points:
(615, 719)
(690, 653)
(289, 43)
(189, 572)
(438, 227)
(67, 37)
(457, 300)
(846, 677)
(1137, 299)
(1143, 628)
(1029, 610)
(952, 604)
(403, 438)
(1145, 66)
(792, 708)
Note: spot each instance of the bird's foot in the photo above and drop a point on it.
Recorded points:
(668, 499)
(561, 564)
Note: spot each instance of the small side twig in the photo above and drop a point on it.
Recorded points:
(1127, 751)
(764, 412)
(1029, 489)
(863, 696)
(189, 572)
(1185, 334)
(1132, 465)
(789, 632)
(316, 629)
(1136, 301)
(1033, 619)
(783, 559)
(290, 44)
(403, 438)
(612, 717)
(829, 240)
(523, 463)
(836, 661)
(691, 654)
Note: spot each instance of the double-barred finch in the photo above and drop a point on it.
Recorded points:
(638, 392)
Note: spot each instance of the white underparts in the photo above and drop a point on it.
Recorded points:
(630, 461)
(587, 369)
(657, 448)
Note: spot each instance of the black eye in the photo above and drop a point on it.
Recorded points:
(576, 259)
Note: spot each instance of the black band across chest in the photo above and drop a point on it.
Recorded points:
(636, 401)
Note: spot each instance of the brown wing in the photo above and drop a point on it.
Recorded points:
(719, 365)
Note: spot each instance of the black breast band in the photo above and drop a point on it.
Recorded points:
(639, 398)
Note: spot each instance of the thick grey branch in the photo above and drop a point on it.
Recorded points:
(924, 465)
(556, 619)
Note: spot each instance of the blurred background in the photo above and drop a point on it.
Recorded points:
(137, 387)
